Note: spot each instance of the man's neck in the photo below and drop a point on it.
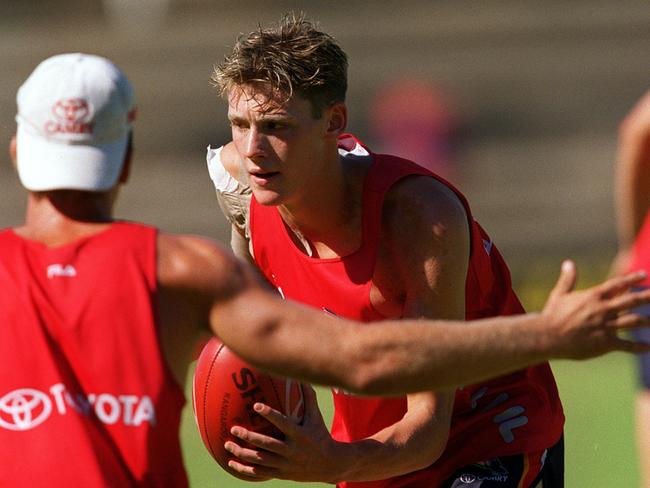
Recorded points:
(328, 217)
(58, 217)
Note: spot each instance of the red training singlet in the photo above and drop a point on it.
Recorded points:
(86, 398)
(514, 414)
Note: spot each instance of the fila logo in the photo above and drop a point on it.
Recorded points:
(507, 420)
(67, 271)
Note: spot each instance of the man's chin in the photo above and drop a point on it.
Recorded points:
(268, 198)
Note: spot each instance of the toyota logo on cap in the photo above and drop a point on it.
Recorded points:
(71, 109)
(72, 117)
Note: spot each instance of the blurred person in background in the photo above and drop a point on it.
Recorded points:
(633, 225)
(413, 119)
(99, 318)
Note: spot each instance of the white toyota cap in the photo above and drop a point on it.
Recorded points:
(74, 119)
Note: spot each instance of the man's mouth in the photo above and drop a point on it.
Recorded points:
(262, 178)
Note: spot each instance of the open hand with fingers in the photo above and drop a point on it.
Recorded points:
(586, 323)
(307, 452)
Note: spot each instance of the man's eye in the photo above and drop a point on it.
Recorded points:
(237, 125)
(274, 125)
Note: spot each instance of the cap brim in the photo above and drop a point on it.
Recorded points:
(49, 165)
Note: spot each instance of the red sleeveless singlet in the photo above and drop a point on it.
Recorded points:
(514, 414)
(86, 398)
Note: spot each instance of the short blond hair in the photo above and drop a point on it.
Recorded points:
(290, 58)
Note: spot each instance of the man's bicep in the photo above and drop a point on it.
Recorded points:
(430, 241)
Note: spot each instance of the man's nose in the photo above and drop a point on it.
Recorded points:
(255, 144)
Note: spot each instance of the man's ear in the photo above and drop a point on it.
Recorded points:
(126, 168)
(338, 119)
(12, 151)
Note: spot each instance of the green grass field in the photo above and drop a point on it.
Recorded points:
(597, 397)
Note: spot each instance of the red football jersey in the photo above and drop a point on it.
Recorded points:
(86, 398)
(514, 414)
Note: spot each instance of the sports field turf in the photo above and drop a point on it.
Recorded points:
(597, 398)
(598, 402)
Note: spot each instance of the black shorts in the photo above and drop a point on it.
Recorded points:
(512, 471)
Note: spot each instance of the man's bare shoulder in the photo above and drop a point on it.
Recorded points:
(194, 262)
(421, 204)
(424, 248)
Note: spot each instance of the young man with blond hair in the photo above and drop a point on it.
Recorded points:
(370, 237)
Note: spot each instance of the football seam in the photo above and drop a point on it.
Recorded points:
(205, 396)
(277, 396)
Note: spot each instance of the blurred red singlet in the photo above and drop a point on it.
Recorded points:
(412, 119)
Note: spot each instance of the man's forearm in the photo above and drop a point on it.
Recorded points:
(412, 356)
(402, 356)
(392, 357)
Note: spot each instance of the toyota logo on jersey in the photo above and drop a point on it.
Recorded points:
(24, 409)
(71, 117)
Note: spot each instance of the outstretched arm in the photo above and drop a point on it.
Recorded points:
(213, 289)
(398, 357)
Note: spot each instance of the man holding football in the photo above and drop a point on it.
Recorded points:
(371, 237)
